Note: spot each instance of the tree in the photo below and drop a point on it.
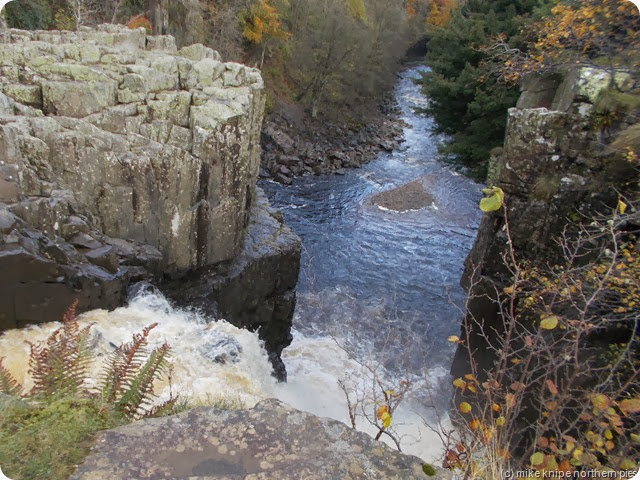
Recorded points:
(588, 32)
(440, 12)
(342, 51)
(261, 25)
(468, 103)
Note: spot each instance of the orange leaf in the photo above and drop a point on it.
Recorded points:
(382, 409)
(630, 405)
(552, 387)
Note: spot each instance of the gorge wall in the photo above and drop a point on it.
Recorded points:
(124, 159)
(558, 166)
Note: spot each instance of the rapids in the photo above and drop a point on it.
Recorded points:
(378, 296)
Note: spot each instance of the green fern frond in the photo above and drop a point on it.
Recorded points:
(165, 408)
(122, 366)
(137, 399)
(8, 384)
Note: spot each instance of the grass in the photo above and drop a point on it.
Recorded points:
(47, 440)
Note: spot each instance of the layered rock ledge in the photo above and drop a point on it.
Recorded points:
(123, 158)
(270, 441)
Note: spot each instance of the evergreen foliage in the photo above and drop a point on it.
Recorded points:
(29, 14)
(466, 100)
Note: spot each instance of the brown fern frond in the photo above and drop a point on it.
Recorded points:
(136, 401)
(70, 314)
(8, 384)
(123, 365)
(59, 365)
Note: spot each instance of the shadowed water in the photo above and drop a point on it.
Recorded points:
(380, 280)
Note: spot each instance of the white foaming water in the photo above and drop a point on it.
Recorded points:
(315, 365)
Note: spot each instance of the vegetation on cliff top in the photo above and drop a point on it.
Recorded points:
(480, 54)
(335, 57)
(47, 432)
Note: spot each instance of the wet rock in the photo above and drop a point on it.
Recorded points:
(407, 197)
(269, 441)
(321, 146)
(223, 350)
(72, 226)
(257, 290)
(104, 257)
(282, 178)
(7, 221)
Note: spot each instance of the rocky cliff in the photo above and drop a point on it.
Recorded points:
(561, 163)
(123, 158)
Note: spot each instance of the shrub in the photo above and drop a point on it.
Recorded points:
(561, 393)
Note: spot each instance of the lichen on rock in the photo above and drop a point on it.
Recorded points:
(122, 158)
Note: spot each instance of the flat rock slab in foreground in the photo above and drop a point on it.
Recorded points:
(270, 441)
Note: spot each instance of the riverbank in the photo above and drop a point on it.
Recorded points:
(295, 144)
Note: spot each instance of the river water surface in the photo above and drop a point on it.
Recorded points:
(378, 296)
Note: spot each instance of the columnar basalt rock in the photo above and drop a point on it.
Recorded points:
(121, 158)
(556, 166)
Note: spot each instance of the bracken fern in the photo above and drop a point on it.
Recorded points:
(127, 381)
(59, 365)
(8, 384)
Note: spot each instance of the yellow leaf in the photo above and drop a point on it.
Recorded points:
(537, 458)
(453, 339)
(600, 401)
(628, 464)
(622, 207)
(464, 407)
(549, 323)
(459, 383)
(474, 424)
(470, 377)
(500, 421)
(494, 201)
(608, 435)
(386, 420)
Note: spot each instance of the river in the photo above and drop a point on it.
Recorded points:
(378, 296)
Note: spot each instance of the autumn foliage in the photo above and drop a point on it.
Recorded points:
(562, 393)
(140, 21)
(601, 32)
(262, 22)
(440, 12)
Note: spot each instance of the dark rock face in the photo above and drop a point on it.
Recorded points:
(45, 273)
(269, 441)
(554, 166)
(256, 290)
